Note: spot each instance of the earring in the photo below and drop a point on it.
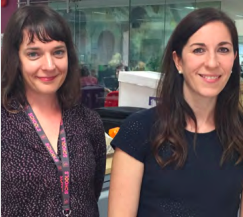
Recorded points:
(180, 72)
(231, 71)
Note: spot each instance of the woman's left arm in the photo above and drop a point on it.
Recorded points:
(99, 146)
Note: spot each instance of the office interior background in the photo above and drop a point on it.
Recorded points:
(133, 33)
(129, 34)
(126, 34)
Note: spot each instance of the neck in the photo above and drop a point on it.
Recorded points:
(45, 104)
(203, 109)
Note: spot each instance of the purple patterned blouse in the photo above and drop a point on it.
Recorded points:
(30, 181)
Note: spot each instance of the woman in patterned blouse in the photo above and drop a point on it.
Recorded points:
(53, 148)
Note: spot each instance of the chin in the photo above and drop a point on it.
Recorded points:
(48, 92)
(210, 95)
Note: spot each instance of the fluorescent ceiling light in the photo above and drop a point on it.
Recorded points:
(191, 8)
(237, 15)
(96, 12)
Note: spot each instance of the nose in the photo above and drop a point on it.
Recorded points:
(212, 60)
(48, 63)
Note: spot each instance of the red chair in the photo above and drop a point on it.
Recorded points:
(4, 3)
(111, 99)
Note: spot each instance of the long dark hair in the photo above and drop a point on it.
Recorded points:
(47, 25)
(172, 109)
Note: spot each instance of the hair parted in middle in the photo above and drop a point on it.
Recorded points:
(172, 108)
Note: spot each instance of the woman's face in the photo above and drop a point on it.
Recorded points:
(44, 66)
(207, 61)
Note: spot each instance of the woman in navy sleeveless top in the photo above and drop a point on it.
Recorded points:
(184, 158)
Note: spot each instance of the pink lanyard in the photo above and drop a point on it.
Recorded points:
(62, 165)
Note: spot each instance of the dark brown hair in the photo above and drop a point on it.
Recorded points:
(47, 25)
(172, 109)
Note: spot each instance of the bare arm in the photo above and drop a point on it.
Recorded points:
(126, 179)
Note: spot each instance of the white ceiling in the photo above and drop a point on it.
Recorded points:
(234, 8)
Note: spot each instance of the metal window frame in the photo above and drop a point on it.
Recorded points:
(28, 2)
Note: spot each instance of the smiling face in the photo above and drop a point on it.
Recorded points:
(44, 66)
(206, 62)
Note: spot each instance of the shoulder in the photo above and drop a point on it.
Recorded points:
(5, 118)
(139, 124)
(89, 118)
(16, 116)
(143, 119)
(88, 114)
(82, 111)
(92, 126)
(12, 125)
(134, 136)
(4, 113)
(11, 117)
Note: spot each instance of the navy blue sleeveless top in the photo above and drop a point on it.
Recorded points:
(201, 188)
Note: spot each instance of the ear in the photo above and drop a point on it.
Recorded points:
(177, 61)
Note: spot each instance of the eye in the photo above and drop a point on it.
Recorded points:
(32, 55)
(59, 53)
(198, 50)
(223, 49)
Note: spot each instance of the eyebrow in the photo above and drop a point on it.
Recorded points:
(32, 48)
(225, 42)
(55, 48)
(220, 44)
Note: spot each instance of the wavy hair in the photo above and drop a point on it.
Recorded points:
(172, 109)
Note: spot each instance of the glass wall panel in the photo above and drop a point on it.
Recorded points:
(67, 10)
(177, 10)
(234, 9)
(241, 53)
(101, 38)
(146, 34)
(113, 35)
(151, 25)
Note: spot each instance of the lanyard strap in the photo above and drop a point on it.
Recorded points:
(62, 165)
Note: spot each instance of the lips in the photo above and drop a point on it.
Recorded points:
(210, 78)
(46, 79)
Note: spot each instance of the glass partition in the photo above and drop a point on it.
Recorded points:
(234, 10)
(146, 35)
(115, 35)
(151, 26)
(101, 38)
(177, 10)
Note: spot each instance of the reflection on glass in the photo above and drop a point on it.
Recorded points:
(101, 42)
(146, 37)
(115, 35)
